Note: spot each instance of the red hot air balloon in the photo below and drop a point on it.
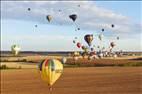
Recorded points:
(78, 45)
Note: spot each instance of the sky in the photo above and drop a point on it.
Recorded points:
(18, 24)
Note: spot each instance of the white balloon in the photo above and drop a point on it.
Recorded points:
(15, 49)
(64, 60)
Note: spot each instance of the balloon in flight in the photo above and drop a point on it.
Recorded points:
(78, 45)
(51, 70)
(83, 47)
(29, 9)
(102, 30)
(78, 28)
(88, 38)
(112, 44)
(75, 37)
(35, 25)
(49, 18)
(112, 25)
(100, 37)
(117, 38)
(73, 17)
(73, 41)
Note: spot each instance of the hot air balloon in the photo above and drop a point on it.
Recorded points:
(83, 47)
(88, 38)
(73, 17)
(75, 37)
(102, 30)
(112, 44)
(78, 5)
(64, 60)
(59, 10)
(117, 38)
(98, 46)
(78, 45)
(92, 49)
(51, 71)
(78, 28)
(100, 37)
(49, 18)
(73, 41)
(35, 25)
(29, 9)
(112, 25)
(103, 48)
(15, 49)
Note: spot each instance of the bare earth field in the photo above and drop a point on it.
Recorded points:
(91, 80)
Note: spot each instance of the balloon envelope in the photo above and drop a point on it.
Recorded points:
(100, 37)
(102, 30)
(83, 47)
(112, 44)
(35, 25)
(78, 45)
(73, 17)
(29, 9)
(49, 18)
(112, 25)
(64, 60)
(15, 49)
(40, 65)
(51, 71)
(92, 49)
(88, 38)
(117, 38)
(73, 41)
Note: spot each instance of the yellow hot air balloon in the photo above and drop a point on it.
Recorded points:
(51, 70)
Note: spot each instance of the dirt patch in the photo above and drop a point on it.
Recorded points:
(108, 80)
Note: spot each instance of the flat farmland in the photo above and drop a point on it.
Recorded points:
(84, 80)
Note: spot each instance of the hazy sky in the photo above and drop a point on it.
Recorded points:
(18, 24)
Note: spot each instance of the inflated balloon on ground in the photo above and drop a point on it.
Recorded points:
(15, 49)
(64, 60)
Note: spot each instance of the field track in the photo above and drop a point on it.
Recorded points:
(91, 80)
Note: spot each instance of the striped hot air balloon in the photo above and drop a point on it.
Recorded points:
(51, 70)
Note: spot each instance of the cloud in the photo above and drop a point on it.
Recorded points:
(90, 16)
